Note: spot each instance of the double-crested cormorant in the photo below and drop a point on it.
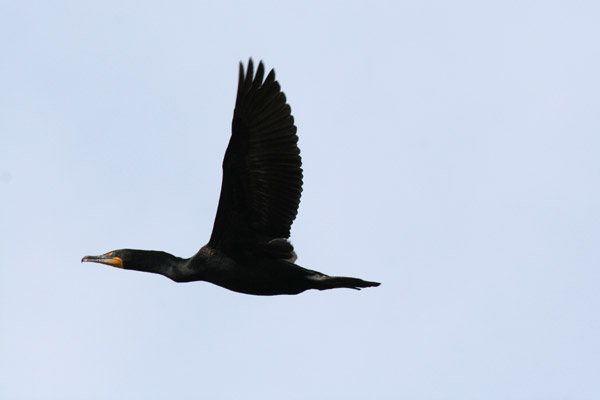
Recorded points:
(248, 251)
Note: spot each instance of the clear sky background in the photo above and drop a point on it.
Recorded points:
(451, 151)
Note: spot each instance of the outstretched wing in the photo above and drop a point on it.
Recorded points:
(262, 174)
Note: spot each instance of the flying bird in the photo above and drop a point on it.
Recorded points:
(249, 251)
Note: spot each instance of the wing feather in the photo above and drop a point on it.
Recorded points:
(262, 174)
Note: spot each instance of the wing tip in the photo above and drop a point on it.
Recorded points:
(258, 78)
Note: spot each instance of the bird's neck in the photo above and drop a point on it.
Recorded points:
(179, 269)
(157, 262)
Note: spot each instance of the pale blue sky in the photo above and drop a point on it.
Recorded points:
(451, 151)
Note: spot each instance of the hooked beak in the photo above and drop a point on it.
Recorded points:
(107, 259)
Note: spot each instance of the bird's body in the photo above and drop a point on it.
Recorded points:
(258, 276)
(248, 251)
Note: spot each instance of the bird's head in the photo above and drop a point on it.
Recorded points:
(115, 258)
(139, 260)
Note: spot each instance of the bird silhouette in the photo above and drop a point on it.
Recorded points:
(249, 251)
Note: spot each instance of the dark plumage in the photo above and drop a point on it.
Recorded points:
(248, 251)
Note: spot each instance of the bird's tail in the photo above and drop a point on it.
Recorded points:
(334, 282)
